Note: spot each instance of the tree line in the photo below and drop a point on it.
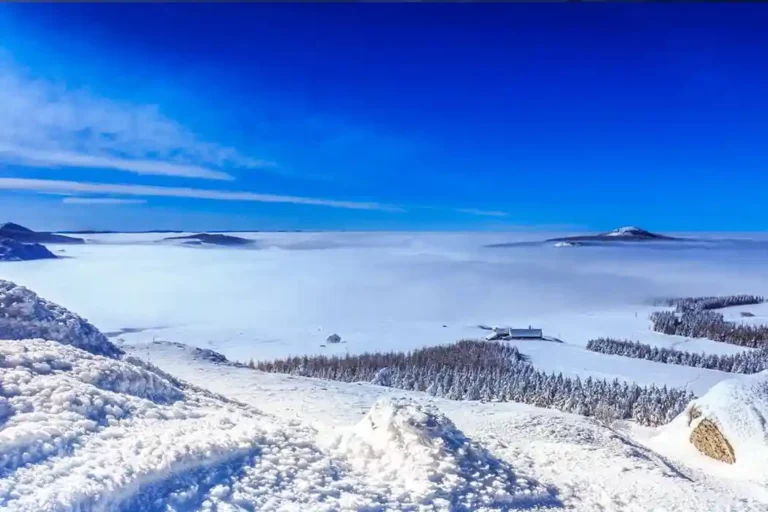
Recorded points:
(491, 371)
(701, 323)
(682, 304)
(747, 362)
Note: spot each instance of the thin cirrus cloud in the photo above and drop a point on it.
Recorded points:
(48, 124)
(101, 200)
(138, 194)
(483, 213)
(58, 187)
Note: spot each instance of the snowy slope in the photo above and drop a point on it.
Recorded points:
(93, 430)
(587, 466)
(87, 432)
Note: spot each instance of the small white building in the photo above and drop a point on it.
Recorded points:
(509, 333)
(525, 334)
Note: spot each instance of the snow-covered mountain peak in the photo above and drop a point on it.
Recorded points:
(628, 231)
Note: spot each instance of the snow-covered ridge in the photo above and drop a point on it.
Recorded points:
(24, 315)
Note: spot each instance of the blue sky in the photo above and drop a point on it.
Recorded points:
(390, 116)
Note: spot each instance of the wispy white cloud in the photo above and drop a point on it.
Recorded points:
(102, 200)
(48, 124)
(54, 158)
(79, 187)
(484, 213)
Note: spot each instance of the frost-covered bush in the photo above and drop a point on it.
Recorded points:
(491, 371)
(24, 315)
(748, 362)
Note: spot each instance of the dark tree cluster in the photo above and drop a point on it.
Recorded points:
(702, 323)
(703, 303)
(491, 371)
(748, 362)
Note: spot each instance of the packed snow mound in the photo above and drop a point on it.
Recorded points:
(738, 408)
(11, 250)
(418, 449)
(24, 315)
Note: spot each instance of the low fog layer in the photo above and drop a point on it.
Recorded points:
(297, 288)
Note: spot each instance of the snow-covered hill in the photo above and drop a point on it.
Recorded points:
(93, 430)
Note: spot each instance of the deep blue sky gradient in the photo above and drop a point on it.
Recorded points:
(583, 115)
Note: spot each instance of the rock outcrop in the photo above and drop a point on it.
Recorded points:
(11, 250)
(19, 233)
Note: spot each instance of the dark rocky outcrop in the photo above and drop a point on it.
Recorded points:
(212, 239)
(11, 250)
(19, 233)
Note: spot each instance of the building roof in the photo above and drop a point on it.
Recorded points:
(525, 333)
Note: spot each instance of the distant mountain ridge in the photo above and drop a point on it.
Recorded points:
(211, 239)
(624, 234)
(21, 234)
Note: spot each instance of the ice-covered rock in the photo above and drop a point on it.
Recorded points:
(11, 250)
(730, 422)
(24, 315)
(419, 450)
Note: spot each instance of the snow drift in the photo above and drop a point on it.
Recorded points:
(24, 315)
(420, 450)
